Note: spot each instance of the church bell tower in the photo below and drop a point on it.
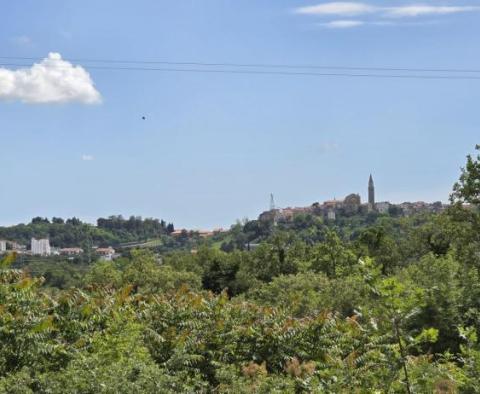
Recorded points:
(371, 192)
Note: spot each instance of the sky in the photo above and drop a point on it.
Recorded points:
(213, 146)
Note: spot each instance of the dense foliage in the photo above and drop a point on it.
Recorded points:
(387, 305)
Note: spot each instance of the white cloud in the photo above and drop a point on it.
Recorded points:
(422, 10)
(342, 24)
(337, 8)
(406, 11)
(88, 158)
(53, 80)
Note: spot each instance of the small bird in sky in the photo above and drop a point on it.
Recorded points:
(143, 118)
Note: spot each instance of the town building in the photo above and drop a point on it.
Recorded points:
(382, 207)
(177, 233)
(40, 247)
(71, 251)
(331, 215)
(106, 254)
(16, 247)
(351, 204)
(3, 246)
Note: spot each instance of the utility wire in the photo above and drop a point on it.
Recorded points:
(254, 65)
(279, 73)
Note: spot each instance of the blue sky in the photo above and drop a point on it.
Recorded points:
(214, 146)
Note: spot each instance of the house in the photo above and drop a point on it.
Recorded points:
(71, 251)
(106, 254)
(382, 207)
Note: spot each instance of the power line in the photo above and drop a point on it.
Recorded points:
(278, 73)
(253, 65)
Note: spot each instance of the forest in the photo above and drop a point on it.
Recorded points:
(382, 304)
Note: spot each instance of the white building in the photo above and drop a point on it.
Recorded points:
(3, 246)
(331, 215)
(41, 247)
(71, 251)
(382, 207)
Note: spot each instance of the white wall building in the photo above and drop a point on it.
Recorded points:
(331, 215)
(382, 207)
(3, 246)
(41, 247)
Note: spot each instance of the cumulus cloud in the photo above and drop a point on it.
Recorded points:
(405, 11)
(88, 158)
(342, 24)
(53, 80)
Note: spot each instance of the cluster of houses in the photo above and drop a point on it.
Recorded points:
(42, 247)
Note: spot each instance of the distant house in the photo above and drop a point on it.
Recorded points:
(205, 233)
(382, 207)
(106, 254)
(71, 251)
(3, 246)
(251, 246)
(16, 247)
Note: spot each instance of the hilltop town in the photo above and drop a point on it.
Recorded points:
(352, 205)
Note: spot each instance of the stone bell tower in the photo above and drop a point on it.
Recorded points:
(371, 192)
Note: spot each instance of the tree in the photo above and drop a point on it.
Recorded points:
(220, 271)
(394, 303)
(467, 189)
(376, 242)
(74, 221)
(40, 220)
(331, 256)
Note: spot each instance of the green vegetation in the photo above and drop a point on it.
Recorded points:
(375, 304)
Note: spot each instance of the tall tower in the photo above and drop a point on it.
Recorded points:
(371, 192)
(272, 202)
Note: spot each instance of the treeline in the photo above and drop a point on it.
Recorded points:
(73, 232)
(135, 226)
